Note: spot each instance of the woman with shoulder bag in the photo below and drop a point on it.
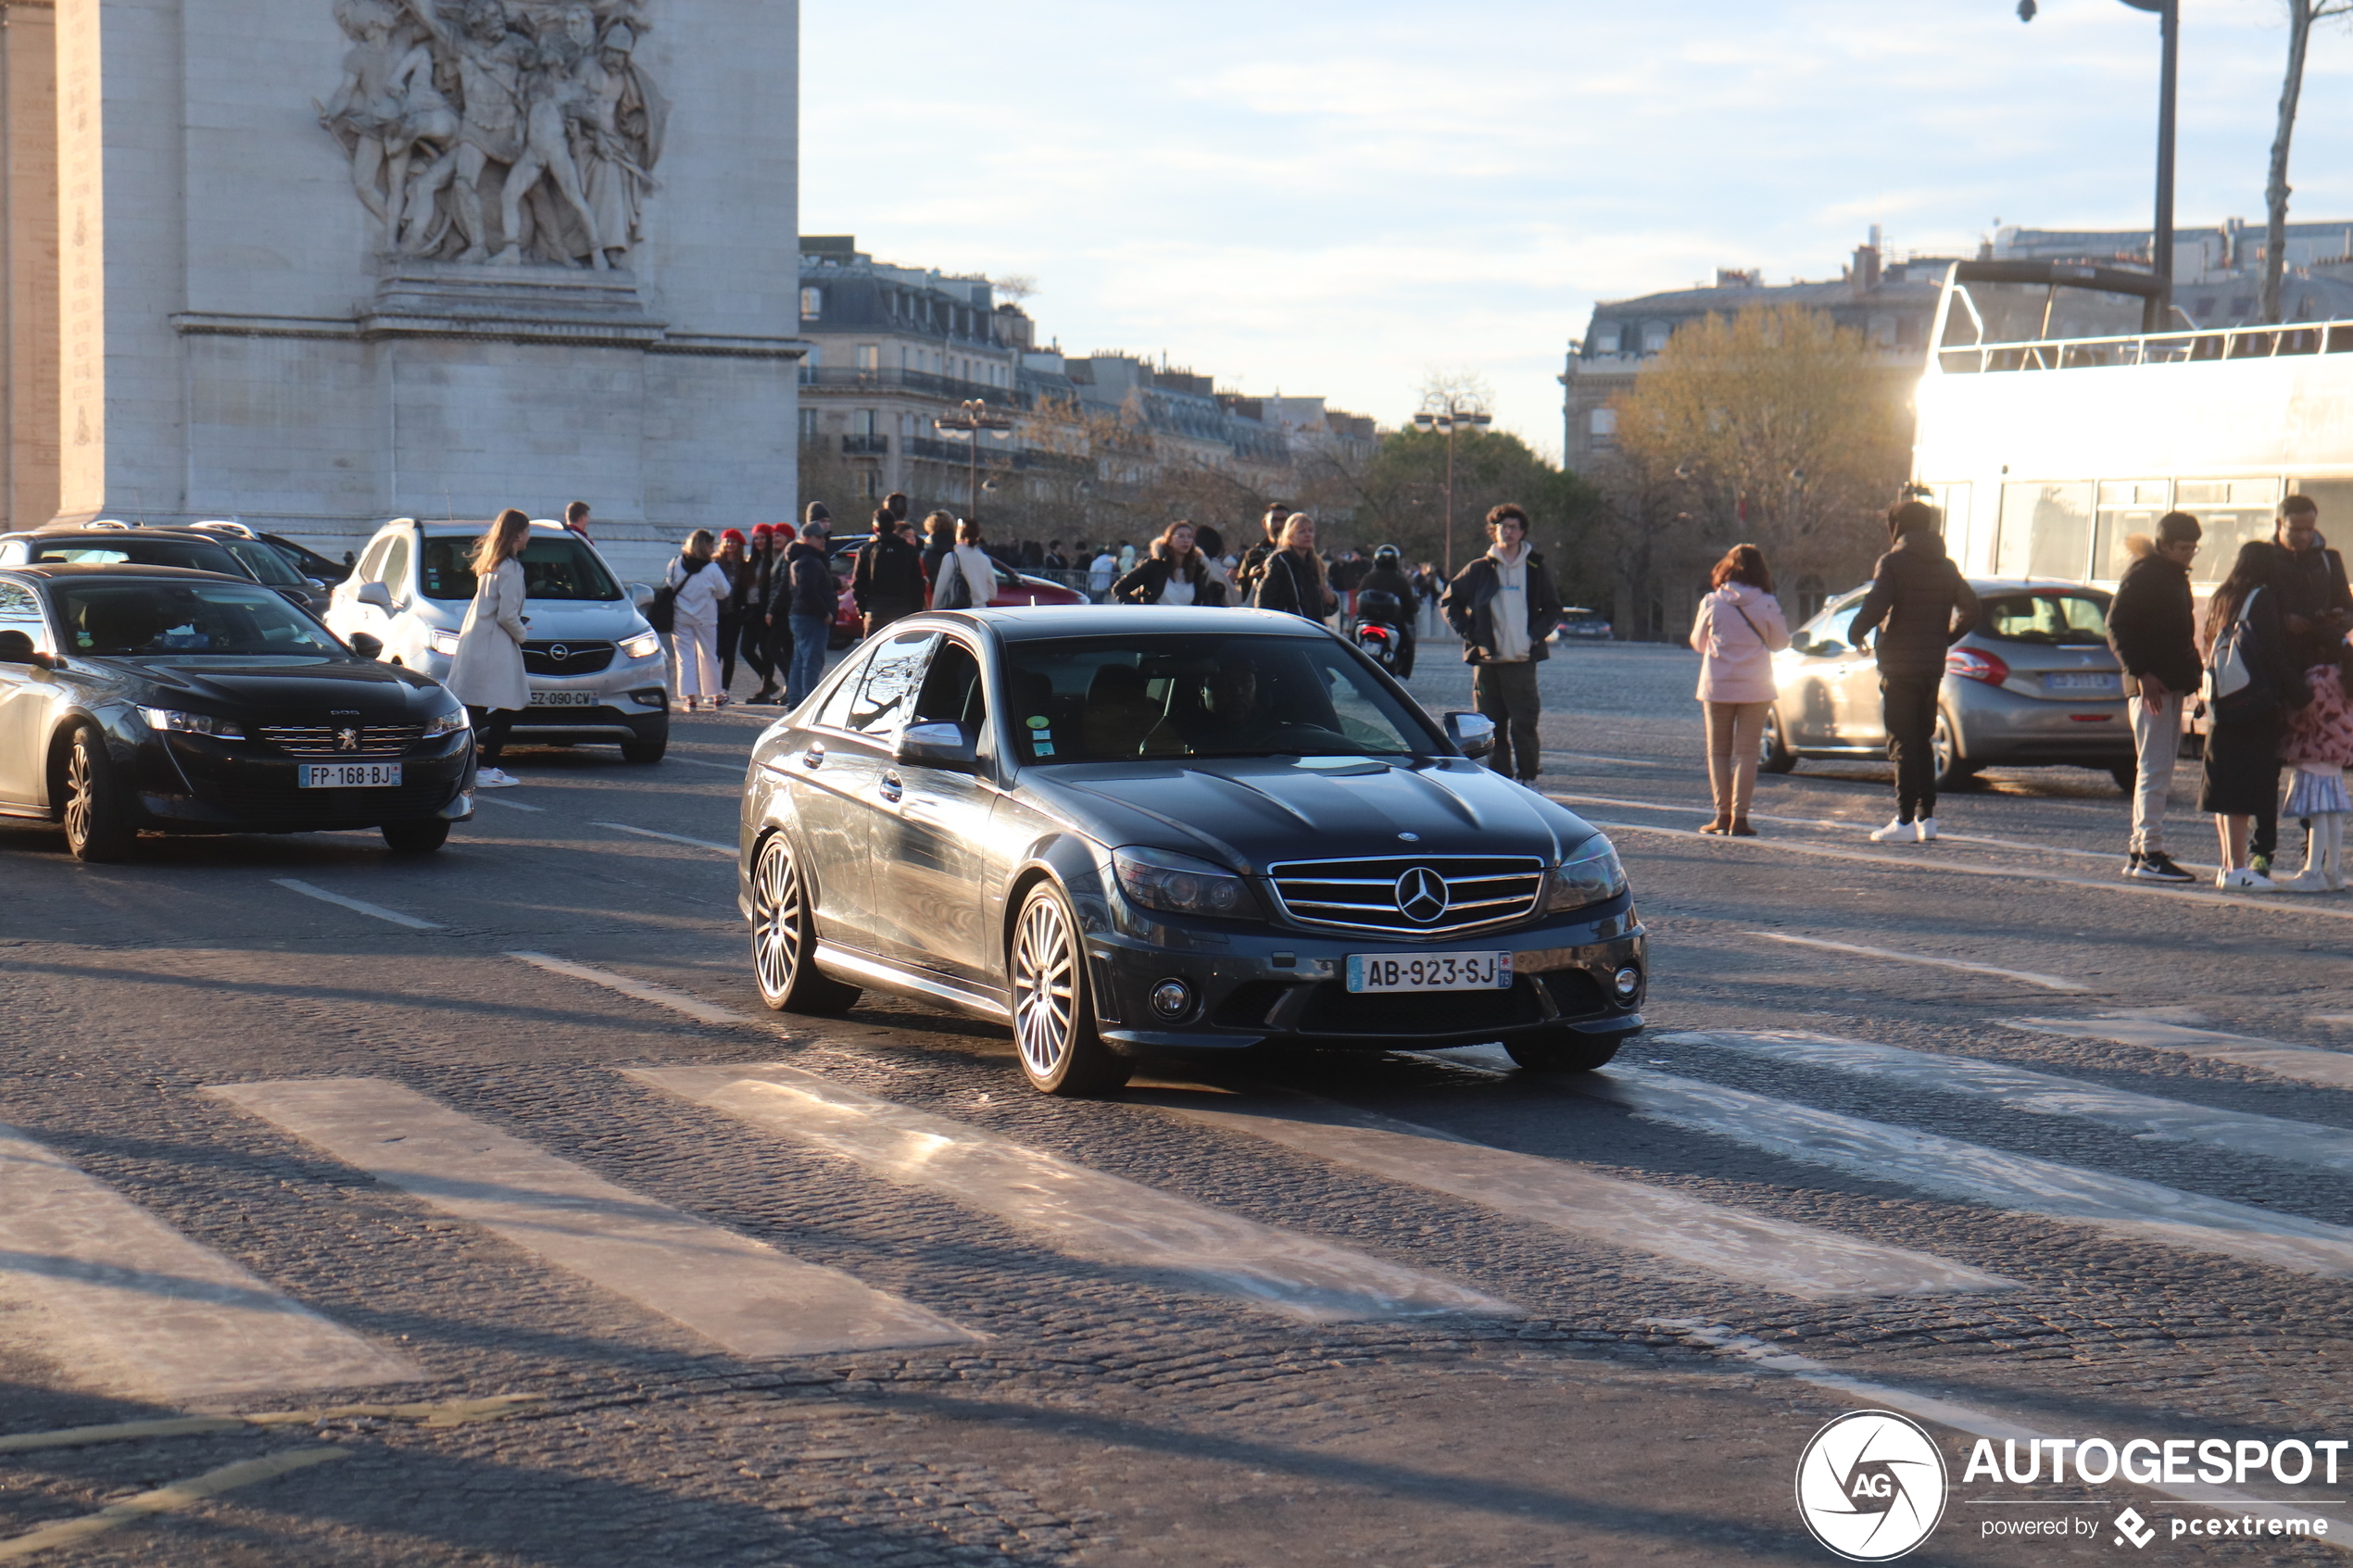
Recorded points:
(967, 578)
(2252, 685)
(487, 672)
(1737, 632)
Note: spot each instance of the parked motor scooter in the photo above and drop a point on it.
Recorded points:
(1384, 633)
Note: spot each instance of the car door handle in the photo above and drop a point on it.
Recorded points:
(812, 757)
(891, 787)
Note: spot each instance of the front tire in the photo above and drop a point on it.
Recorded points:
(1055, 1034)
(422, 837)
(1773, 754)
(1563, 1051)
(783, 938)
(98, 818)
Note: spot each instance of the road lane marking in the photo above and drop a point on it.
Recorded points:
(643, 990)
(446, 1413)
(2305, 1064)
(2048, 982)
(509, 805)
(2283, 903)
(164, 1500)
(1801, 1261)
(2045, 1094)
(727, 849)
(742, 1294)
(360, 905)
(736, 768)
(1621, 762)
(1846, 826)
(118, 1298)
(1977, 1423)
(1081, 1211)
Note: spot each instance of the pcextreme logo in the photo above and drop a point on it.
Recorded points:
(1870, 1485)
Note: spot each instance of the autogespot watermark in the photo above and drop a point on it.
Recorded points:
(1873, 1484)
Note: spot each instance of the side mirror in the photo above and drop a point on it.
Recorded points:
(316, 586)
(938, 745)
(365, 646)
(1473, 733)
(296, 597)
(15, 647)
(375, 594)
(641, 593)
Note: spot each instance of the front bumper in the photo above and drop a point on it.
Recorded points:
(1253, 985)
(193, 783)
(626, 700)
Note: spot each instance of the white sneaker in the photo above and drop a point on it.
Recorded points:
(2245, 881)
(2312, 879)
(1896, 833)
(491, 778)
(1928, 829)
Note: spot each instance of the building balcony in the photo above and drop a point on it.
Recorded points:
(865, 445)
(923, 383)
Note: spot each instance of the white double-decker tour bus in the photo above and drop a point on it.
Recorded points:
(2052, 429)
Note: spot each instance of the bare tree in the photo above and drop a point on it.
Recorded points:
(1465, 388)
(2301, 17)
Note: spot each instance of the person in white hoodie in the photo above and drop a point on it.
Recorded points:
(699, 589)
(967, 578)
(1737, 632)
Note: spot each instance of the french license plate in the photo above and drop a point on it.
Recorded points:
(1430, 972)
(2095, 682)
(563, 699)
(350, 775)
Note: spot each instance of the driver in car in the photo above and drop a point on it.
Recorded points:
(1227, 719)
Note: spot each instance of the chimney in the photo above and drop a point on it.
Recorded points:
(1865, 274)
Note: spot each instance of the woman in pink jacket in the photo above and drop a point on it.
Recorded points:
(1737, 632)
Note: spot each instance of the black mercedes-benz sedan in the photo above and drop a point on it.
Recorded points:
(1130, 831)
(151, 697)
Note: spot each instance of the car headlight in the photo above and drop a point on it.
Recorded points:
(441, 724)
(193, 723)
(1589, 877)
(1181, 884)
(443, 643)
(645, 645)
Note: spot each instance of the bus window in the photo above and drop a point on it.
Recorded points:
(2128, 507)
(2047, 531)
(2334, 497)
(2231, 512)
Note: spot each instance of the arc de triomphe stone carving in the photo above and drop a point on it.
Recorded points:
(323, 262)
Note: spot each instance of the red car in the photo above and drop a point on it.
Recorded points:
(1014, 590)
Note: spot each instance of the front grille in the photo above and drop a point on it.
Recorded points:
(1362, 895)
(1335, 1009)
(329, 740)
(578, 658)
(288, 807)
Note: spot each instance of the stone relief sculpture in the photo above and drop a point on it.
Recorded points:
(500, 130)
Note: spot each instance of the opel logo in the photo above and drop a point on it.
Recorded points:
(346, 740)
(559, 652)
(1421, 895)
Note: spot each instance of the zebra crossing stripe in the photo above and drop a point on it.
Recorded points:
(1794, 1260)
(2305, 1064)
(739, 1293)
(1079, 1211)
(125, 1304)
(2042, 1094)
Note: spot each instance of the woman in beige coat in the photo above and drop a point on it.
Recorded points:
(488, 673)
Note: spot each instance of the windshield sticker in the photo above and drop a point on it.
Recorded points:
(1040, 721)
(1042, 749)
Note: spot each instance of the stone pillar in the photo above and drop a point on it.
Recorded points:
(27, 263)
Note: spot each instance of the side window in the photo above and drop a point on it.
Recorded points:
(952, 691)
(20, 611)
(371, 564)
(835, 715)
(885, 692)
(395, 575)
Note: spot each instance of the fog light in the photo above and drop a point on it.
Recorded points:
(1171, 997)
(1626, 982)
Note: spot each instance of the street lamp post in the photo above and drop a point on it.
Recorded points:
(976, 416)
(1454, 416)
(2157, 312)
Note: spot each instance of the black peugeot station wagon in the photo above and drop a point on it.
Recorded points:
(142, 696)
(1141, 830)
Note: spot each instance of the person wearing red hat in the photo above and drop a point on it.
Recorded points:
(733, 549)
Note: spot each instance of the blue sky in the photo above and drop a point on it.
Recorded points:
(1316, 197)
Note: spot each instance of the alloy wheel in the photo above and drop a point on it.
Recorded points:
(777, 918)
(81, 792)
(1045, 987)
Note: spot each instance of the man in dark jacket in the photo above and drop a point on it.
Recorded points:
(887, 581)
(1254, 562)
(2152, 626)
(1918, 593)
(1503, 608)
(2316, 609)
(811, 598)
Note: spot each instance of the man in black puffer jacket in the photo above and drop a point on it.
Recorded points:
(1918, 590)
(2152, 626)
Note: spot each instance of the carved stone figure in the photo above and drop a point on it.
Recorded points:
(511, 130)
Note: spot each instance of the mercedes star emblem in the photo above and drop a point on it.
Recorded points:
(1421, 895)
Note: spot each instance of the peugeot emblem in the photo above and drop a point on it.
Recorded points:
(1421, 895)
(559, 652)
(346, 740)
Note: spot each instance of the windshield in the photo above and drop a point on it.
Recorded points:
(1104, 699)
(2067, 620)
(1985, 312)
(195, 554)
(139, 619)
(555, 566)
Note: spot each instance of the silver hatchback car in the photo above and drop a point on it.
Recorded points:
(2033, 685)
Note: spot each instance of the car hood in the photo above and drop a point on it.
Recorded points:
(551, 620)
(361, 687)
(1249, 812)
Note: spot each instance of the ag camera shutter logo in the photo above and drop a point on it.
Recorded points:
(1870, 1485)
